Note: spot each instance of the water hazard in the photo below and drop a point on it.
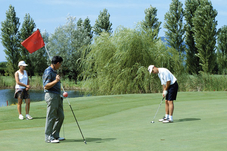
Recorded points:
(7, 95)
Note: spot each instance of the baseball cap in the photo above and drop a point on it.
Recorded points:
(22, 63)
(150, 68)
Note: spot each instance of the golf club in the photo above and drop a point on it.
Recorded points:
(75, 117)
(157, 110)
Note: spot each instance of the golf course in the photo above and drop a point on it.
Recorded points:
(123, 123)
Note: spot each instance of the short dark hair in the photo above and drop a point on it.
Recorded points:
(56, 59)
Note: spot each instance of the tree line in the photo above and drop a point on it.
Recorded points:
(117, 61)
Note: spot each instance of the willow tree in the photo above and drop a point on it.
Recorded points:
(118, 64)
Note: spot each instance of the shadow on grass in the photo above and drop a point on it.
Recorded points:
(187, 119)
(38, 118)
(96, 140)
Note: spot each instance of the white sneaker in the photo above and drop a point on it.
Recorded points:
(167, 121)
(54, 141)
(161, 120)
(28, 117)
(21, 117)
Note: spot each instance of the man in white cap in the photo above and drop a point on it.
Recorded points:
(170, 88)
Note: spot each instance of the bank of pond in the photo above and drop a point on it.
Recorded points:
(7, 96)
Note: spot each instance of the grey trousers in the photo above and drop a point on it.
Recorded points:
(54, 116)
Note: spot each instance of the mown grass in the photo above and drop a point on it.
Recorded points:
(122, 123)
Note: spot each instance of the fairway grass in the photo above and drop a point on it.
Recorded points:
(122, 123)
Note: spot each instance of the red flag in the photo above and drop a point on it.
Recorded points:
(33, 42)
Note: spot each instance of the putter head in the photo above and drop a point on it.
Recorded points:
(152, 121)
(85, 142)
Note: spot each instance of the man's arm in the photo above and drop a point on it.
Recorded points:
(167, 85)
(165, 88)
(51, 84)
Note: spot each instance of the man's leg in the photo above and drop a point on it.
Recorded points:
(59, 121)
(51, 116)
(171, 108)
(167, 108)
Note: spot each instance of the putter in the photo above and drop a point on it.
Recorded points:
(75, 118)
(157, 110)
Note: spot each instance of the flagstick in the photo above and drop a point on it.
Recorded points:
(47, 52)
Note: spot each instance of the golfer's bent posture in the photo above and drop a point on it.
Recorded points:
(170, 88)
(52, 89)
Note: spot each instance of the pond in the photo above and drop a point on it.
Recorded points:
(35, 95)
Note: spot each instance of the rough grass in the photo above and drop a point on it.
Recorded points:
(36, 83)
(122, 123)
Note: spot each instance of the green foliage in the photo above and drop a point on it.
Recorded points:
(151, 23)
(192, 61)
(205, 35)
(15, 52)
(88, 28)
(86, 24)
(10, 40)
(118, 64)
(79, 22)
(174, 25)
(26, 30)
(68, 41)
(39, 58)
(3, 67)
(222, 49)
(102, 24)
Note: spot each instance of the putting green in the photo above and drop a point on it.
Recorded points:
(122, 123)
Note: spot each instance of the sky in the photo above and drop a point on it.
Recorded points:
(50, 14)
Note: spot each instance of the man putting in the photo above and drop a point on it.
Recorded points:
(170, 88)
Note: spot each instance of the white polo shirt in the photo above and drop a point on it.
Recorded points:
(165, 75)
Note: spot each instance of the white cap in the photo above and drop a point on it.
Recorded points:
(22, 63)
(150, 68)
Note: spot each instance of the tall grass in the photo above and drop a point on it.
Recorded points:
(7, 82)
(202, 82)
(187, 83)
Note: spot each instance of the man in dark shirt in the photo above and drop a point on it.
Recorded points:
(52, 89)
